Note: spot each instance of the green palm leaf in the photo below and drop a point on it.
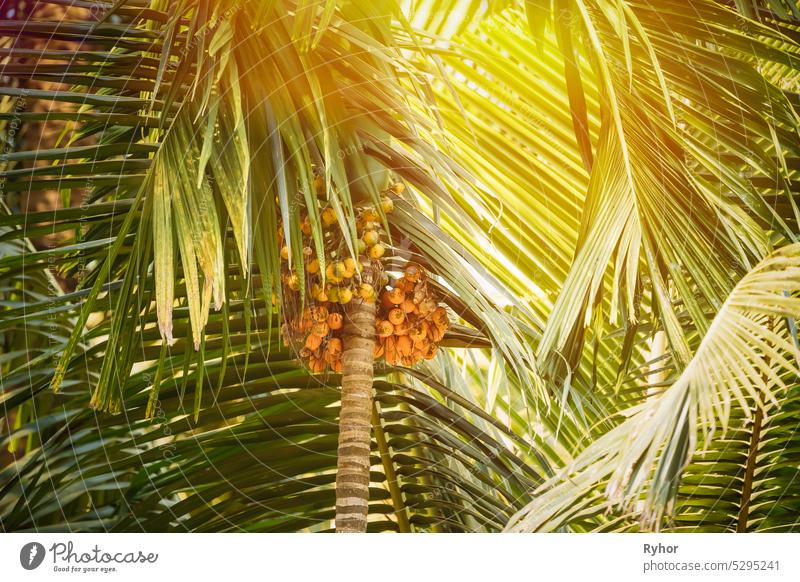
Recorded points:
(737, 365)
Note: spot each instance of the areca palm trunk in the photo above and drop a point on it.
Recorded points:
(352, 470)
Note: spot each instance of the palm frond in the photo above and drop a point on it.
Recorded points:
(260, 457)
(737, 366)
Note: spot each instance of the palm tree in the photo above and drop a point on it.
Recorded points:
(626, 187)
(247, 150)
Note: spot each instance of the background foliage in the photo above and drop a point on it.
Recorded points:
(605, 190)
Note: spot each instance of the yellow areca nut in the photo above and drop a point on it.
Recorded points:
(369, 215)
(333, 294)
(328, 216)
(367, 292)
(377, 251)
(351, 267)
(319, 185)
(345, 295)
(371, 237)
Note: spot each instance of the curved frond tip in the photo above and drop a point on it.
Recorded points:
(740, 362)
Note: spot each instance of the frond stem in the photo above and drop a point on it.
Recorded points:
(750, 468)
(391, 477)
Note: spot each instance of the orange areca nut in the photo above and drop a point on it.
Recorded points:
(384, 328)
(386, 302)
(320, 328)
(402, 328)
(430, 352)
(409, 306)
(313, 341)
(305, 321)
(390, 351)
(396, 316)
(404, 345)
(380, 345)
(335, 321)
(419, 332)
(396, 296)
(334, 348)
(436, 333)
(439, 317)
(409, 360)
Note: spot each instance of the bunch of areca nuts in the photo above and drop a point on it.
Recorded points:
(409, 321)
